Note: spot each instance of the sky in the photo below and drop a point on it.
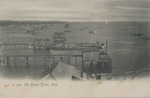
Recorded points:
(75, 10)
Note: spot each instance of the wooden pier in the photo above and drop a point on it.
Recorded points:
(31, 54)
(38, 60)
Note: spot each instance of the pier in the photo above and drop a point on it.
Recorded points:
(23, 43)
(15, 60)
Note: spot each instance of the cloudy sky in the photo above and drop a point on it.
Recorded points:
(75, 10)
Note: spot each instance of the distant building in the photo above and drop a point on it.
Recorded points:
(59, 38)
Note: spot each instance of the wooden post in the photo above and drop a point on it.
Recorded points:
(49, 62)
(8, 61)
(35, 61)
(61, 59)
(103, 64)
(69, 60)
(27, 61)
(15, 62)
(76, 61)
(34, 53)
(82, 61)
(0, 60)
(3, 60)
